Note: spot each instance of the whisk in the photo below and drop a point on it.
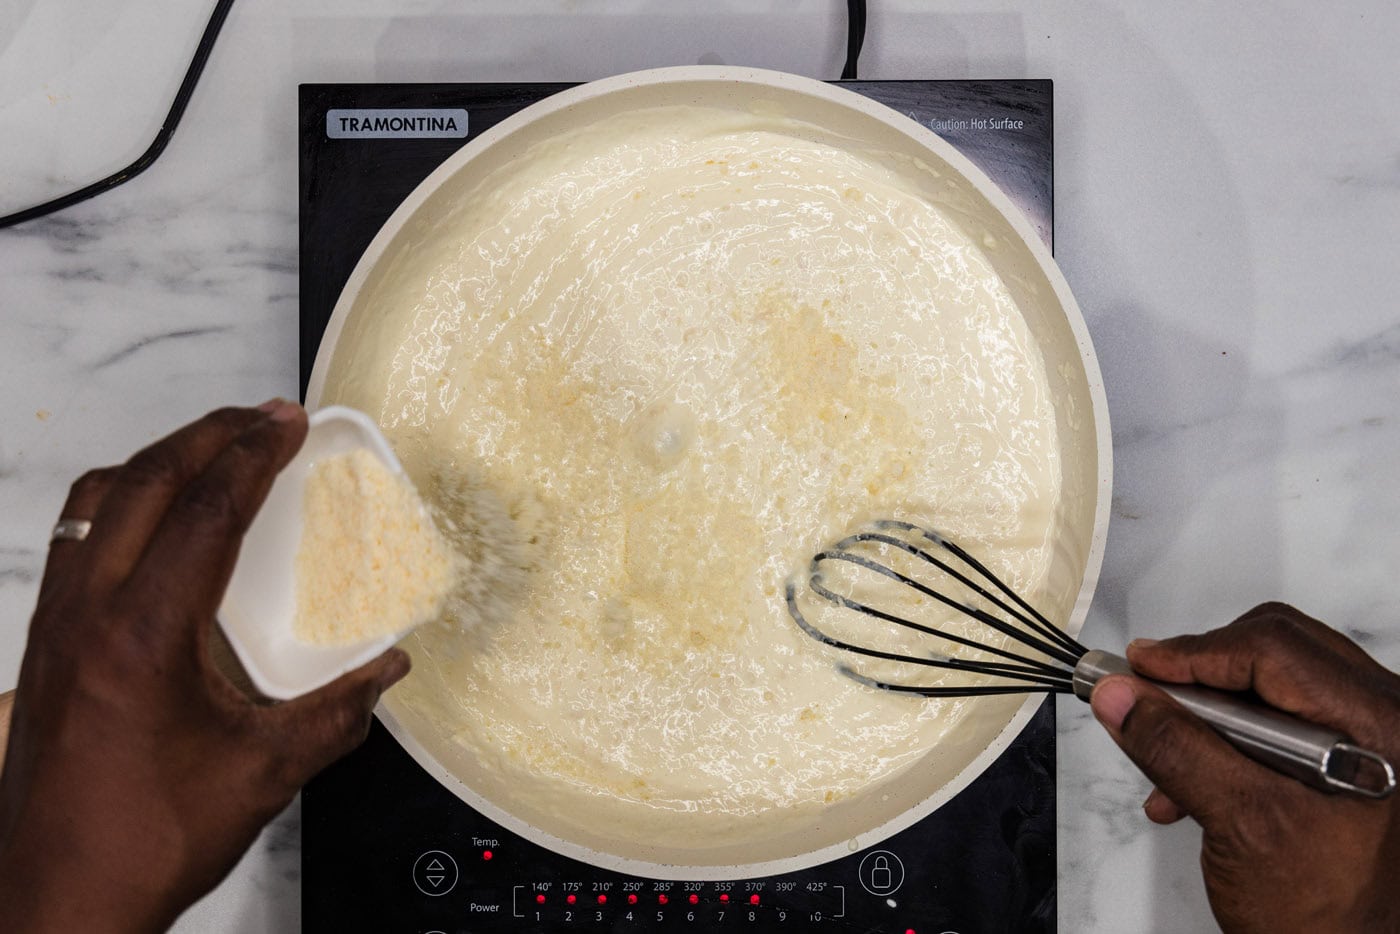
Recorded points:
(1057, 663)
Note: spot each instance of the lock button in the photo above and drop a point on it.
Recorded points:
(881, 872)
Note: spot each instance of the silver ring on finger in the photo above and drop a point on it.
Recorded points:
(70, 530)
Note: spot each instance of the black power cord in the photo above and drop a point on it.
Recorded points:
(855, 37)
(153, 151)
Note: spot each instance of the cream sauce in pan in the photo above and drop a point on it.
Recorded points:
(663, 360)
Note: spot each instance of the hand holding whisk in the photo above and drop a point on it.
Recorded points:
(909, 566)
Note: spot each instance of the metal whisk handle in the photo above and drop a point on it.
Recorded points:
(1315, 755)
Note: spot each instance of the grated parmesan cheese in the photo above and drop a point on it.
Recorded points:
(371, 562)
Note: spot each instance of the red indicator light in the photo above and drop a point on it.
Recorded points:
(539, 899)
(662, 899)
(632, 899)
(486, 854)
(571, 899)
(908, 931)
(602, 899)
(724, 898)
(694, 899)
(753, 899)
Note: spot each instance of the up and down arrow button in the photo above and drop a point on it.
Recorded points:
(435, 873)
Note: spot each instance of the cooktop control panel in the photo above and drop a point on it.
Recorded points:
(596, 900)
(599, 902)
(388, 849)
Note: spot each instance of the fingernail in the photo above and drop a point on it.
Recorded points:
(1142, 643)
(1111, 701)
(285, 412)
(271, 404)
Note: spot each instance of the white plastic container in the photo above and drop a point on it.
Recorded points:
(260, 604)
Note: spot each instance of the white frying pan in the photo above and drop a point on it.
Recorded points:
(1081, 412)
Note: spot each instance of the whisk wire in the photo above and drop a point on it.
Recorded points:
(1050, 678)
(1040, 623)
(1027, 614)
(971, 690)
(1025, 624)
(976, 613)
(1028, 665)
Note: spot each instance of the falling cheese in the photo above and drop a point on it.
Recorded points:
(371, 562)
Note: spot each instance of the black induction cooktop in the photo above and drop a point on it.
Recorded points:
(386, 848)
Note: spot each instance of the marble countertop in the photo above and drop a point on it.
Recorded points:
(1227, 212)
